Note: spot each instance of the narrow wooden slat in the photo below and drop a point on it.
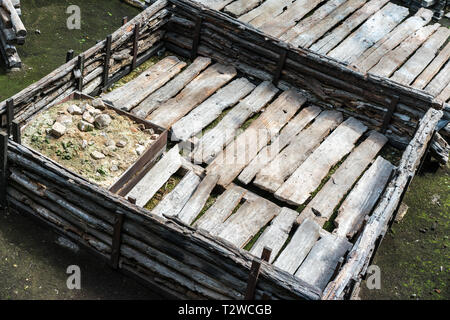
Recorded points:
(276, 234)
(153, 101)
(221, 209)
(418, 62)
(298, 248)
(156, 177)
(198, 200)
(363, 198)
(433, 68)
(440, 81)
(297, 189)
(238, 154)
(272, 176)
(445, 94)
(373, 55)
(215, 4)
(240, 7)
(174, 202)
(319, 266)
(323, 204)
(267, 154)
(211, 144)
(132, 93)
(394, 59)
(197, 91)
(266, 11)
(369, 33)
(307, 38)
(330, 41)
(209, 110)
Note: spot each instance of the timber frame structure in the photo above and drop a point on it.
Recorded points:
(166, 253)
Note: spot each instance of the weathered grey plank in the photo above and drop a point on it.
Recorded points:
(267, 154)
(132, 93)
(330, 41)
(319, 266)
(323, 204)
(211, 144)
(445, 94)
(362, 198)
(369, 33)
(440, 81)
(237, 155)
(276, 234)
(433, 68)
(197, 91)
(273, 175)
(215, 4)
(156, 177)
(174, 202)
(240, 7)
(198, 200)
(298, 248)
(209, 110)
(299, 186)
(266, 11)
(172, 88)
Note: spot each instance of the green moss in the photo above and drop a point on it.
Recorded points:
(209, 203)
(163, 191)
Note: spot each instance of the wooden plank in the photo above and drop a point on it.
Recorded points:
(299, 186)
(418, 62)
(276, 234)
(445, 94)
(174, 202)
(307, 38)
(272, 176)
(153, 101)
(132, 93)
(432, 69)
(198, 200)
(369, 33)
(298, 248)
(268, 153)
(251, 217)
(295, 12)
(330, 41)
(209, 110)
(240, 7)
(238, 154)
(319, 266)
(215, 4)
(197, 91)
(440, 81)
(323, 204)
(394, 59)
(363, 198)
(304, 24)
(266, 11)
(221, 209)
(156, 177)
(211, 144)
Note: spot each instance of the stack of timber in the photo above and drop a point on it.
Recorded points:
(438, 6)
(12, 32)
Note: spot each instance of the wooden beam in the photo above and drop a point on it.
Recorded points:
(254, 274)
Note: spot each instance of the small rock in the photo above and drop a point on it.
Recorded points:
(447, 15)
(37, 31)
(121, 143)
(85, 126)
(94, 112)
(102, 121)
(64, 119)
(88, 117)
(154, 136)
(84, 144)
(423, 230)
(74, 110)
(98, 104)
(91, 143)
(114, 168)
(141, 126)
(110, 143)
(58, 130)
(140, 150)
(437, 290)
(96, 155)
(149, 131)
(413, 295)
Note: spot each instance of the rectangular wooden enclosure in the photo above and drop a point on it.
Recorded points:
(276, 182)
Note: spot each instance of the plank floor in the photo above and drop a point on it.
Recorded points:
(375, 36)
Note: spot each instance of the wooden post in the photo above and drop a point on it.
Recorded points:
(81, 69)
(106, 63)
(132, 200)
(135, 46)
(117, 239)
(9, 115)
(388, 116)
(69, 55)
(254, 274)
(197, 34)
(3, 168)
(17, 136)
(280, 67)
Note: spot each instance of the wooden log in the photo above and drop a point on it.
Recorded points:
(16, 22)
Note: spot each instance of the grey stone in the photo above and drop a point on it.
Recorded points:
(140, 150)
(121, 143)
(98, 104)
(85, 126)
(84, 144)
(97, 155)
(110, 143)
(64, 119)
(58, 130)
(102, 121)
(74, 110)
(88, 117)
(154, 136)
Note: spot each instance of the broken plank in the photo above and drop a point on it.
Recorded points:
(299, 246)
(276, 234)
(330, 41)
(362, 198)
(321, 263)
(433, 68)
(132, 93)
(266, 11)
(174, 202)
(267, 154)
(211, 144)
(323, 204)
(197, 91)
(272, 176)
(307, 178)
(198, 200)
(238, 154)
(369, 33)
(156, 177)
(209, 110)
